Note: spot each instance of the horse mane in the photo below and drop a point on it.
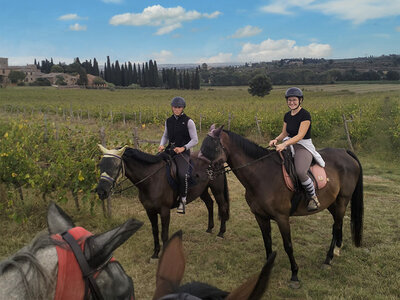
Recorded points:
(40, 283)
(203, 291)
(249, 148)
(142, 156)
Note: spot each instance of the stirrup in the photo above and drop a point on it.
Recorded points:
(313, 204)
(181, 208)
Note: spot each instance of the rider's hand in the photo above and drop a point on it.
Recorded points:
(178, 150)
(161, 148)
(280, 147)
(273, 142)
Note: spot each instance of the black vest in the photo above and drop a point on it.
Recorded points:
(178, 132)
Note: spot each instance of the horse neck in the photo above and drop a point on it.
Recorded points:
(137, 170)
(11, 281)
(245, 168)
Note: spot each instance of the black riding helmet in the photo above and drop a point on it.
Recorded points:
(178, 102)
(294, 92)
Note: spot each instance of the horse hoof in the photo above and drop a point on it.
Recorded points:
(220, 235)
(209, 230)
(294, 284)
(326, 266)
(153, 260)
(336, 251)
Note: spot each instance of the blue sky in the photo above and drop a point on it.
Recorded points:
(211, 31)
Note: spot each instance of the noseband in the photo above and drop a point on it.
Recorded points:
(120, 174)
(216, 167)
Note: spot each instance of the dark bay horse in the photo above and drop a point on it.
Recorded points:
(259, 170)
(48, 269)
(171, 268)
(148, 173)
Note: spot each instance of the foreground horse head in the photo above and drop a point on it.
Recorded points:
(170, 272)
(111, 169)
(260, 171)
(48, 269)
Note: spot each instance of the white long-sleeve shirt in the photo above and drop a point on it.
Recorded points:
(194, 140)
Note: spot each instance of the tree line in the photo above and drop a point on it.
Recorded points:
(126, 74)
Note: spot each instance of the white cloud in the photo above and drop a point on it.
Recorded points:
(167, 19)
(246, 31)
(356, 11)
(220, 58)
(77, 27)
(277, 49)
(68, 17)
(163, 56)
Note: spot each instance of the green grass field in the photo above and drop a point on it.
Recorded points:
(369, 272)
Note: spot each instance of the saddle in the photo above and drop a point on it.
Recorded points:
(316, 173)
(172, 171)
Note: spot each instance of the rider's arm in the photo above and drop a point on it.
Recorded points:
(280, 137)
(193, 135)
(164, 139)
(300, 135)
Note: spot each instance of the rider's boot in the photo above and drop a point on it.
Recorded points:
(313, 203)
(181, 207)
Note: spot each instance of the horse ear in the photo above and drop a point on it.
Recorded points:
(99, 248)
(103, 149)
(212, 127)
(202, 157)
(255, 287)
(122, 150)
(57, 220)
(170, 267)
(218, 131)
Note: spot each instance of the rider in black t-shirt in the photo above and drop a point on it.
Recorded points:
(296, 132)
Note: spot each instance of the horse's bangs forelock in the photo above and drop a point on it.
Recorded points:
(209, 147)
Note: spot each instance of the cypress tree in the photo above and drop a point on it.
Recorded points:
(96, 71)
(135, 74)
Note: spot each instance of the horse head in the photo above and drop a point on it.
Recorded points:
(170, 272)
(111, 169)
(109, 276)
(211, 149)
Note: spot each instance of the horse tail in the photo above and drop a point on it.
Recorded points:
(226, 196)
(357, 206)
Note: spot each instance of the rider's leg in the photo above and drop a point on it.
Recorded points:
(302, 161)
(183, 168)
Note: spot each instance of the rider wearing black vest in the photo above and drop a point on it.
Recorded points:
(181, 135)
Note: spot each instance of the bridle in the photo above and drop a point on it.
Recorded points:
(214, 169)
(87, 271)
(121, 173)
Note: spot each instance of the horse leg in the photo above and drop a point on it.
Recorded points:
(223, 209)
(284, 228)
(154, 226)
(165, 218)
(337, 212)
(208, 201)
(265, 226)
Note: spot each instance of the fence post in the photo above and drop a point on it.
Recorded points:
(135, 138)
(123, 118)
(346, 129)
(200, 124)
(258, 126)
(103, 136)
(229, 121)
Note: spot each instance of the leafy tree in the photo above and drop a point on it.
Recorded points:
(56, 69)
(392, 75)
(260, 85)
(16, 76)
(60, 80)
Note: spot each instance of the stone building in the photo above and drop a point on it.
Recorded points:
(31, 72)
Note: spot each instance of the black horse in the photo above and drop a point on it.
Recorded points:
(148, 173)
(171, 269)
(260, 172)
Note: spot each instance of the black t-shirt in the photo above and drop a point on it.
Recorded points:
(293, 123)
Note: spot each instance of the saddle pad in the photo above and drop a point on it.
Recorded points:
(318, 173)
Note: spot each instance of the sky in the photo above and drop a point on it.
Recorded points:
(204, 31)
